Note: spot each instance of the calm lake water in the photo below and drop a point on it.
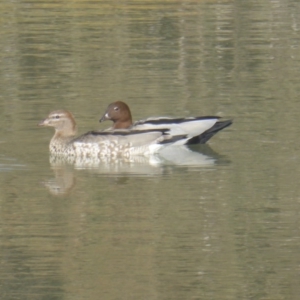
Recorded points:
(223, 223)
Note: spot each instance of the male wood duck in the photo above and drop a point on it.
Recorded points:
(198, 130)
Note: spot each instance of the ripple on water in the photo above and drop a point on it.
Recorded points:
(10, 164)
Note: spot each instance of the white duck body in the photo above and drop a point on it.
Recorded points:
(190, 127)
(197, 130)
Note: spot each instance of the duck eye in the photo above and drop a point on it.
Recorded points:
(56, 117)
(116, 108)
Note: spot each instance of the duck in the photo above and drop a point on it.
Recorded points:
(117, 143)
(197, 130)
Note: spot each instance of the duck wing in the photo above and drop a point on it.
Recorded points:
(191, 126)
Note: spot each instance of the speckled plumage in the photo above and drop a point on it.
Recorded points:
(100, 144)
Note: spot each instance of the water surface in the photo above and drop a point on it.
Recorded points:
(225, 226)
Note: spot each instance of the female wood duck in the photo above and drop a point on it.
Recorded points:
(117, 143)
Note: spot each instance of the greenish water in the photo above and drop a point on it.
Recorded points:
(223, 225)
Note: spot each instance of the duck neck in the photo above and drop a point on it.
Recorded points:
(124, 121)
(122, 124)
(61, 140)
(62, 136)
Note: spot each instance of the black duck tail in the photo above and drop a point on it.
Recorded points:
(208, 134)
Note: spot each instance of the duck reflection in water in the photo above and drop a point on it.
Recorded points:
(63, 182)
(183, 159)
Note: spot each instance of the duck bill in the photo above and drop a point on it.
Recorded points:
(43, 123)
(104, 117)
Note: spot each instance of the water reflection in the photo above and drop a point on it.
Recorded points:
(8, 164)
(171, 157)
(63, 182)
